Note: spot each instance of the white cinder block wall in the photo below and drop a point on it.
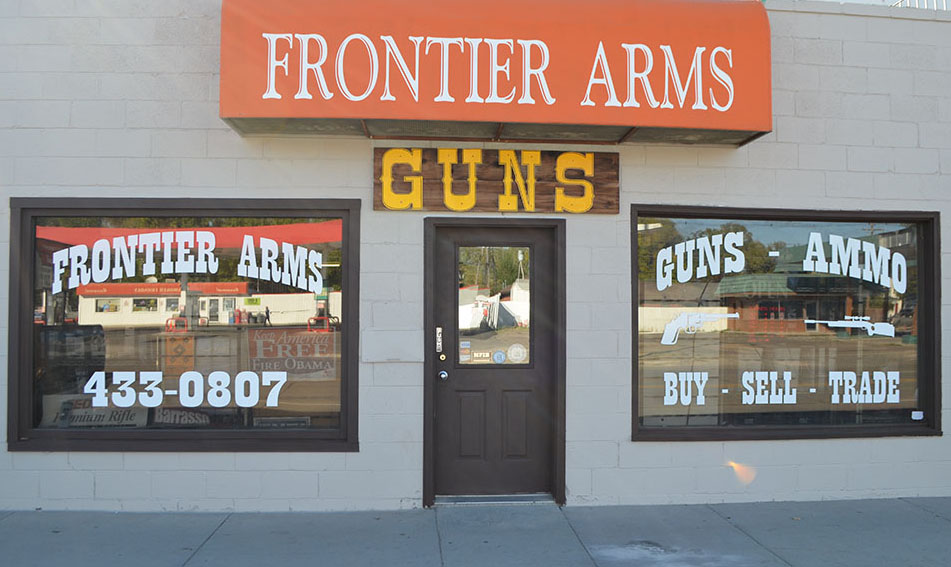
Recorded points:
(118, 98)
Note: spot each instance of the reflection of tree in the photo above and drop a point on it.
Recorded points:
(495, 268)
(758, 260)
(661, 233)
(333, 276)
(658, 234)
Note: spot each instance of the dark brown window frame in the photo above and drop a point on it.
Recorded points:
(22, 436)
(929, 325)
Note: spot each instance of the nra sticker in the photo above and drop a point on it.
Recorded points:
(498, 357)
(517, 353)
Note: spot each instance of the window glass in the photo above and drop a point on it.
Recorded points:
(102, 306)
(144, 304)
(494, 305)
(249, 337)
(744, 323)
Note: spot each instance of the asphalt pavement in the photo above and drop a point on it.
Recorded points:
(893, 532)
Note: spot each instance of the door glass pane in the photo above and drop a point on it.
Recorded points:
(494, 304)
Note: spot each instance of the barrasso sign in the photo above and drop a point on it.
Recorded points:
(695, 64)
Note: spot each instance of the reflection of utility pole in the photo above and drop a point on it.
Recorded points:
(490, 270)
(484, 267)
(59, 309)
(189, 309)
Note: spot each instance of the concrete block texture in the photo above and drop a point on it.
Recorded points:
(120, 98)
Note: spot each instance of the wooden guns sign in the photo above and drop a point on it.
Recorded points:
(478, 180)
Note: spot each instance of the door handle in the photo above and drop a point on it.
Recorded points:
(443, 375)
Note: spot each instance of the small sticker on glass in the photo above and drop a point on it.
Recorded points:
(517, 353)
(498, 357)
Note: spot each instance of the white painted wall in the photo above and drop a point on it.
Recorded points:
(112, 98)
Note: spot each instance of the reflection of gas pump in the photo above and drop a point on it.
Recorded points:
(321, 301)
(323, 321)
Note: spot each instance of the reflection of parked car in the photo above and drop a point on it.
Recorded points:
(905, 320)
(323, 324)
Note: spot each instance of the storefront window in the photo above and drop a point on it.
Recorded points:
(756, 325)
(109, 366)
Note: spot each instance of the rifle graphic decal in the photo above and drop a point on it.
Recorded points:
(690, 323)
(855, 322)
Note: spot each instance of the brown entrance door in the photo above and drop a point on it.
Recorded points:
(495, 358)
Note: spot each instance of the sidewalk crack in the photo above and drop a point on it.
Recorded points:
(578, 537)
(925, 508)
(213, 532)
(748, 534)
(442, 560)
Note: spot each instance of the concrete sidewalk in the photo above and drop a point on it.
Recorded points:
(902, 532)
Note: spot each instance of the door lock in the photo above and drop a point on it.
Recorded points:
(443, 375)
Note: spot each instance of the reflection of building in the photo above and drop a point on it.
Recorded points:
(764, 301)
(782, 300)
(218, 303)
(200, 298)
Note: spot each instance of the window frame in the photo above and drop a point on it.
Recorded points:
(22, 436)
(929, 327)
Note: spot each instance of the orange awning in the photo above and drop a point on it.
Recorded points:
(603, 71)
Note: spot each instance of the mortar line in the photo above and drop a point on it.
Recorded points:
(925, 508)
(578, 537)
(748, 534)
(213, 532)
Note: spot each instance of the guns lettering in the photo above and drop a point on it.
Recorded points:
(884, 329)
(690, 323)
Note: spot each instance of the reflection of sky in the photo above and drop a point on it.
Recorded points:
(793, 233)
